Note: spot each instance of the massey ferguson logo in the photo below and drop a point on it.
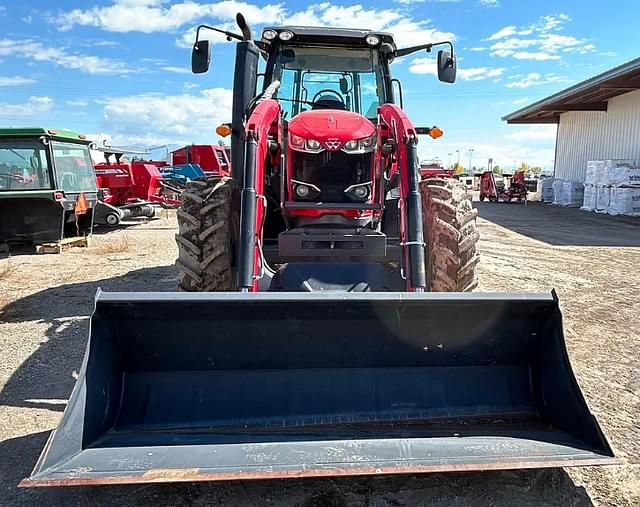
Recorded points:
(332, 144)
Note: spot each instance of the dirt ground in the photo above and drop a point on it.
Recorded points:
(593, 262)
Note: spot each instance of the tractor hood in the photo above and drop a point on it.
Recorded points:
(331, 127)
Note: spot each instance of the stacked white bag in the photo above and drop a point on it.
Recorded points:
(624, 201)
(603, 178)
(590, 193)
(572, 194)
(546, 195)
(557, 186)
(624, 179)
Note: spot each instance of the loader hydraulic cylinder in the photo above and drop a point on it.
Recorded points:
(415, 233)
(246, 245)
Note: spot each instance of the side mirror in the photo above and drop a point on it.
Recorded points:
(200, 57)
(344, 85)
(446, 67)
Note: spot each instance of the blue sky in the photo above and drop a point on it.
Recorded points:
(119, 69)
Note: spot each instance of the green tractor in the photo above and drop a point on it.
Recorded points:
(47, 186)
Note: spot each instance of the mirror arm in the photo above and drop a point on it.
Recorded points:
(407, 51)
(229, 35)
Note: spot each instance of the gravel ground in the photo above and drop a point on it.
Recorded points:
(45, 301)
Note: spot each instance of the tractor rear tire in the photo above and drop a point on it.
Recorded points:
(208, 220)
(451, 235)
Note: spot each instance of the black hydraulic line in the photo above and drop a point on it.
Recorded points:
(415, 234)
(248, 200)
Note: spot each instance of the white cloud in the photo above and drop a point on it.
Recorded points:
(38, 52)
(534, 133)
(33, 107)
(480, 73)
(521, 101)
(538, 41)
(155, 15)
(489, 3)
(507, 31)
(159, 119)
(15, 80)
(534, 79)
(429, 66)
(177, 70)
(77, 103)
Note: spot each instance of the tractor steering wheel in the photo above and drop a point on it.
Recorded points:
(320, 101)
(8, 177)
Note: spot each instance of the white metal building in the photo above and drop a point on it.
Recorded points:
(597, 119)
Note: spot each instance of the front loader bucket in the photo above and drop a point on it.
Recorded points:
(214, 386)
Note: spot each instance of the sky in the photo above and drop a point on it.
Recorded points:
(120, 69)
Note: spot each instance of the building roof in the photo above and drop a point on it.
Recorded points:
(589, 95)
(66, 135)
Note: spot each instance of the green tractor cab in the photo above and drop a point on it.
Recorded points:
(47, 185)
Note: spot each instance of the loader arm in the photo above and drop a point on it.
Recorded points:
(405, 140)
(263, 124)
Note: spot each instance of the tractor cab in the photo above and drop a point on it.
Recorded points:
(47, 185)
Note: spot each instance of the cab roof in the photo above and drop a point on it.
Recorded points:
(331, 36)
(62, 134)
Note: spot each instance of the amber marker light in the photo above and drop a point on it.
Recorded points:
(435, 132)
(223, 130)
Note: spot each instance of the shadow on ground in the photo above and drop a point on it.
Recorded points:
(46, 375)
(560, 226)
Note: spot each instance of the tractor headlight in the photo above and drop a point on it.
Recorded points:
(305, 191)
(359, 192)
(372, 40)
(313, 145)
(301, 144)
(285, 35)
(350, 146)
(302, 191)
(364, 145)
(269, 34)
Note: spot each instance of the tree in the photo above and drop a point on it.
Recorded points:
(524, 167)
(497, 170)
(536, 170)
(458, 168)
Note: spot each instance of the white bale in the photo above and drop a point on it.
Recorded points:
(592, 172)
(602, 172)
(624, 174)
(624, 201)
(589, 199)
(609, 168)
(572, 194)
(603, 194)
(557, 191)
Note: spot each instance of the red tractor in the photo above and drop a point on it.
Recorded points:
(129, 189)
(495, 191)
(321, 353)
(212, 158)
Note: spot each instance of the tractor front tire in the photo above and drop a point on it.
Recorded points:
(451, 235)
(208, 221)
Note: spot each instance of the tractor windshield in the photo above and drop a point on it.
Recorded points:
(74, 167)
(23, 165)
(329, 78)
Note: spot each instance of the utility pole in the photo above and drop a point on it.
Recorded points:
(449, 159)
(458, 152)
(470, 156)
